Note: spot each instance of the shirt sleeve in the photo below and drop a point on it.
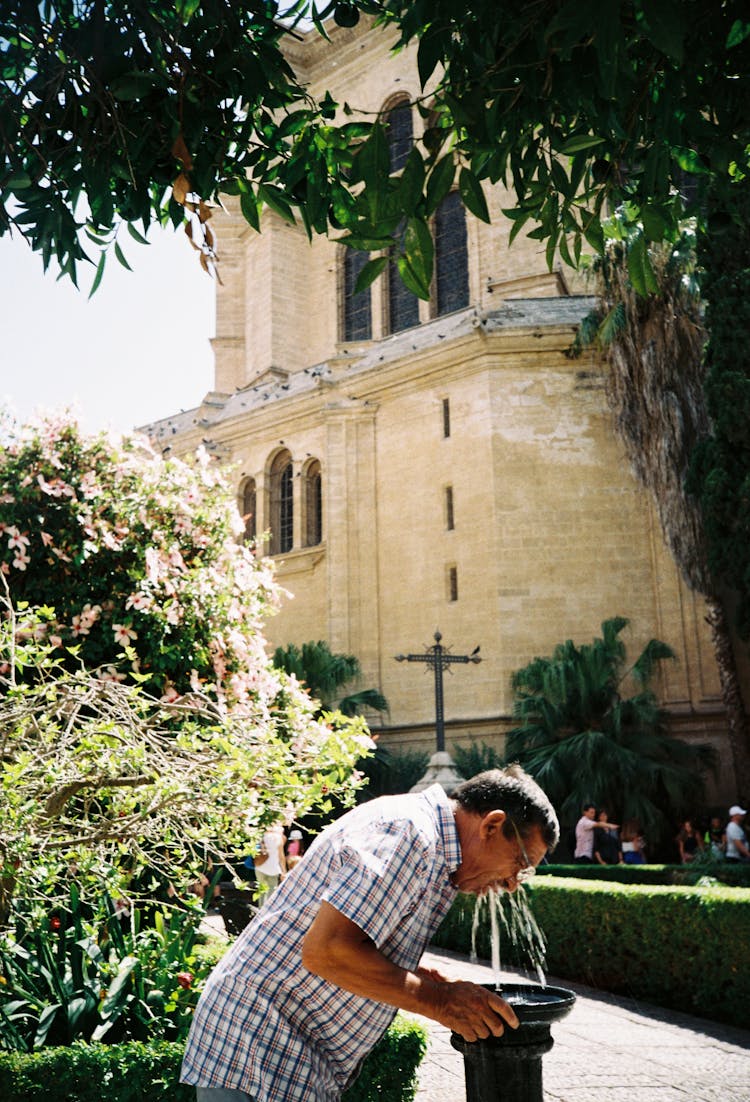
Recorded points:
(379, 879)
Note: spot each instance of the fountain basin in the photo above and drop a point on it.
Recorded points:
(509, 1068)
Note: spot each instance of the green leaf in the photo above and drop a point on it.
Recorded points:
(135, 85)
(249, 208)
(411, 280)
(419, 249)
(655, 226)
(429, 54)
(594, 233)
(440, 182)
(17, 182)
(472, 194)
(579, 142)
(666, 27)
(640, 269)
(370, 273)
(274, 198)
(521, 219)
(99, 274)
(121, 257)
(136, 235)
(738, 33)
(411, 182)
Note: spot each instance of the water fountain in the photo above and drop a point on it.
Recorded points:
(509, 1068)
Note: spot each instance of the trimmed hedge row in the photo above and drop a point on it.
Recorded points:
(733, 874)
(683, 948)
(139, 1072)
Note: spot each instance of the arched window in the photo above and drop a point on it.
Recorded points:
(282, 504)
(313, 504)
(451, 258)
(399, 131)
(248, 509)
(356, 313)
(402, 304)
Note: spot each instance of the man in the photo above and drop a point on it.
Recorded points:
(737, 847)
(585, 827)
(313, 982)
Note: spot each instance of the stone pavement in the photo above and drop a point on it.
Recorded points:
(608, 1049)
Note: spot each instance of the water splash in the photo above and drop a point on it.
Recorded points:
(511, 921)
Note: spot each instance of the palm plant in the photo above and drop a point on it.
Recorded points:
(325, 673)
(583, 741)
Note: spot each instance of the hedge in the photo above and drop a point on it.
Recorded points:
(733, 874)
(678, 947)
(149, 1072)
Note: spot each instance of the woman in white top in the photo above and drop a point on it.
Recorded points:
(271, 868)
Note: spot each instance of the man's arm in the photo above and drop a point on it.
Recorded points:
(337, 950)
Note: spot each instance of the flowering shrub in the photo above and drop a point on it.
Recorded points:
(140, 559)
(144, 733)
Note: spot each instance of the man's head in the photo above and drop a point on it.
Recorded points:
(737, 813)
(505, 824)
(589, 811)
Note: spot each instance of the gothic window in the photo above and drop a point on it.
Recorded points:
(400, 134)
(313, 504)
(451, 259)
(356, 319)
(248, 509)
(282, 504)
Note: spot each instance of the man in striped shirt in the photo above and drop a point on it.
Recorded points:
(312, 983)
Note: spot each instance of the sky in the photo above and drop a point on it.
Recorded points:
(136, 351)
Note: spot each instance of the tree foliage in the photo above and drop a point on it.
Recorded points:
(115, 114)
(583, 741)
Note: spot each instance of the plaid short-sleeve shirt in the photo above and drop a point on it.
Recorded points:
(267, 1026)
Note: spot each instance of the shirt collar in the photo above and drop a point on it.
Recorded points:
(443, 805)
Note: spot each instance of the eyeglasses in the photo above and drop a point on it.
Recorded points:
(527, 869)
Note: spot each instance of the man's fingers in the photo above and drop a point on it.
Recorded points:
(505, 1010)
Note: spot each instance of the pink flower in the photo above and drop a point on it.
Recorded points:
(140, 601)
(185, 979)
(55, 641)
(46, 539)
(19, 540)
(21, 561)
(123, 633)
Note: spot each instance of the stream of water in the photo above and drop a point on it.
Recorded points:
(511, 923)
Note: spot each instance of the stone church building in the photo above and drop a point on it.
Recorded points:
(439, 465)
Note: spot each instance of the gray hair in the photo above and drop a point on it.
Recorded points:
(517, 794)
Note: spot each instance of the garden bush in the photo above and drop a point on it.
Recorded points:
(725, 872)
(149, 1072)
(687, 948)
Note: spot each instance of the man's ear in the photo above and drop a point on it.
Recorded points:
(492, 822)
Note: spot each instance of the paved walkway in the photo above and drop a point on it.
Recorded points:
(607, 1050)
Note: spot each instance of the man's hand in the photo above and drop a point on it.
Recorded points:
(471, 1010)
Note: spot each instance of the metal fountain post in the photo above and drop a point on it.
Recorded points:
(509, 1068)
